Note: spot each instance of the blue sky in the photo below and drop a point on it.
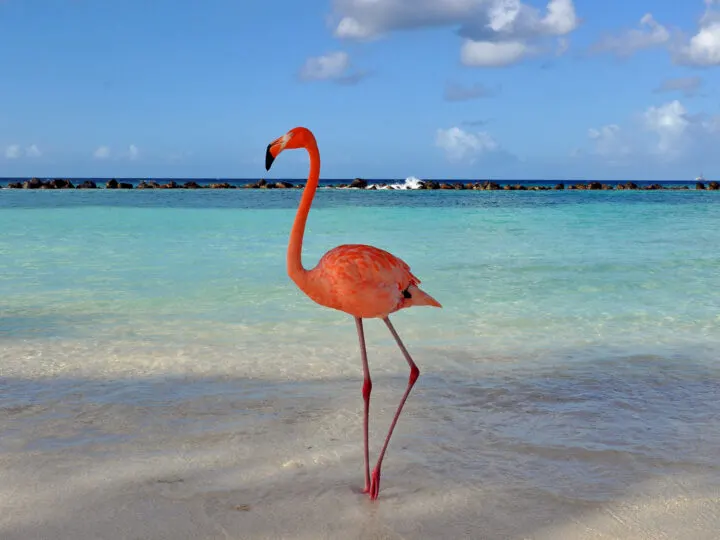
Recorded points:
(391, 88)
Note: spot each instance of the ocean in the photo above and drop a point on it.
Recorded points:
(161, 376)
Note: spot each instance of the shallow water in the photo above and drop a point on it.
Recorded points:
(147, 334)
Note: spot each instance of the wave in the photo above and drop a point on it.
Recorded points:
(411, 182)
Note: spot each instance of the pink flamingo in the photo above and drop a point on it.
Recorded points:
(363, 281)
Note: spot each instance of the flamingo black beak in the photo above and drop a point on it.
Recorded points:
(269, 158)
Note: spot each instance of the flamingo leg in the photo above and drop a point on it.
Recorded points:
(366, 389)
(414, 374)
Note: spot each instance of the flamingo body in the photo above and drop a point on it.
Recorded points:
(365, 282)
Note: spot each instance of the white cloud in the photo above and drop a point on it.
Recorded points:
(666, 132)
(133, 151)
(329, 66)
(650, 34)
(608, 141)
(561, 18)
(489, 54)
(689, 86)
(671, 124)
(102, 152)
(13, 151)
(334, 66)
(496, 32)
(460, 145)
(703, 49)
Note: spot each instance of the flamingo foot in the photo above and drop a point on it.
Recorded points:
(374, 484)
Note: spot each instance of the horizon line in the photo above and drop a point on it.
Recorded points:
(327, 179)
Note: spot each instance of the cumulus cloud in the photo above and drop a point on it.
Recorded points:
(458, 92)
(608, 141)
(671, 124)
(460, 145)
(689, 86)
(701, 49)
(626, 43)
(495, 32)
(102, 152)
(334, 66)
(667, 132)
(491, 54)
(15, 151)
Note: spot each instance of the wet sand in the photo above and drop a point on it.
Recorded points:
(240, 459)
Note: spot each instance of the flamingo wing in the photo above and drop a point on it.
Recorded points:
(363, 280)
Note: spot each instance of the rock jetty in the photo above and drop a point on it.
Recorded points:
(357, 183)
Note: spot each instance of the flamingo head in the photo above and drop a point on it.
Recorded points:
(298, 137)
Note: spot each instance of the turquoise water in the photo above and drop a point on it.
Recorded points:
(528, 275)
(581, 326)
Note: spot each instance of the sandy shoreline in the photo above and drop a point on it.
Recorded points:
(285, 462)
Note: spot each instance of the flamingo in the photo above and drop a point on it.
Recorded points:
(360, 280)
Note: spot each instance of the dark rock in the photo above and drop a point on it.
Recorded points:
(170, 185)
(459, 185)
(359, 183)
(125, 185)
(191, 185)
(87, 184)
(283, 185)
(559, 186)
(59, 183)
(699, 185)
(446, 186)
(714, 186)
(594, 185)
(111, 184)
(33, 183)
(15, 185)
(223, 185)
(262, 182)
(149, 184)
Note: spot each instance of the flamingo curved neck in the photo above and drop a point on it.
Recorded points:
(295, 268)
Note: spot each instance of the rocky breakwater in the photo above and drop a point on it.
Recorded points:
(358, 183)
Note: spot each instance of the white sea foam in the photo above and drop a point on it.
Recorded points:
(411, 182)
